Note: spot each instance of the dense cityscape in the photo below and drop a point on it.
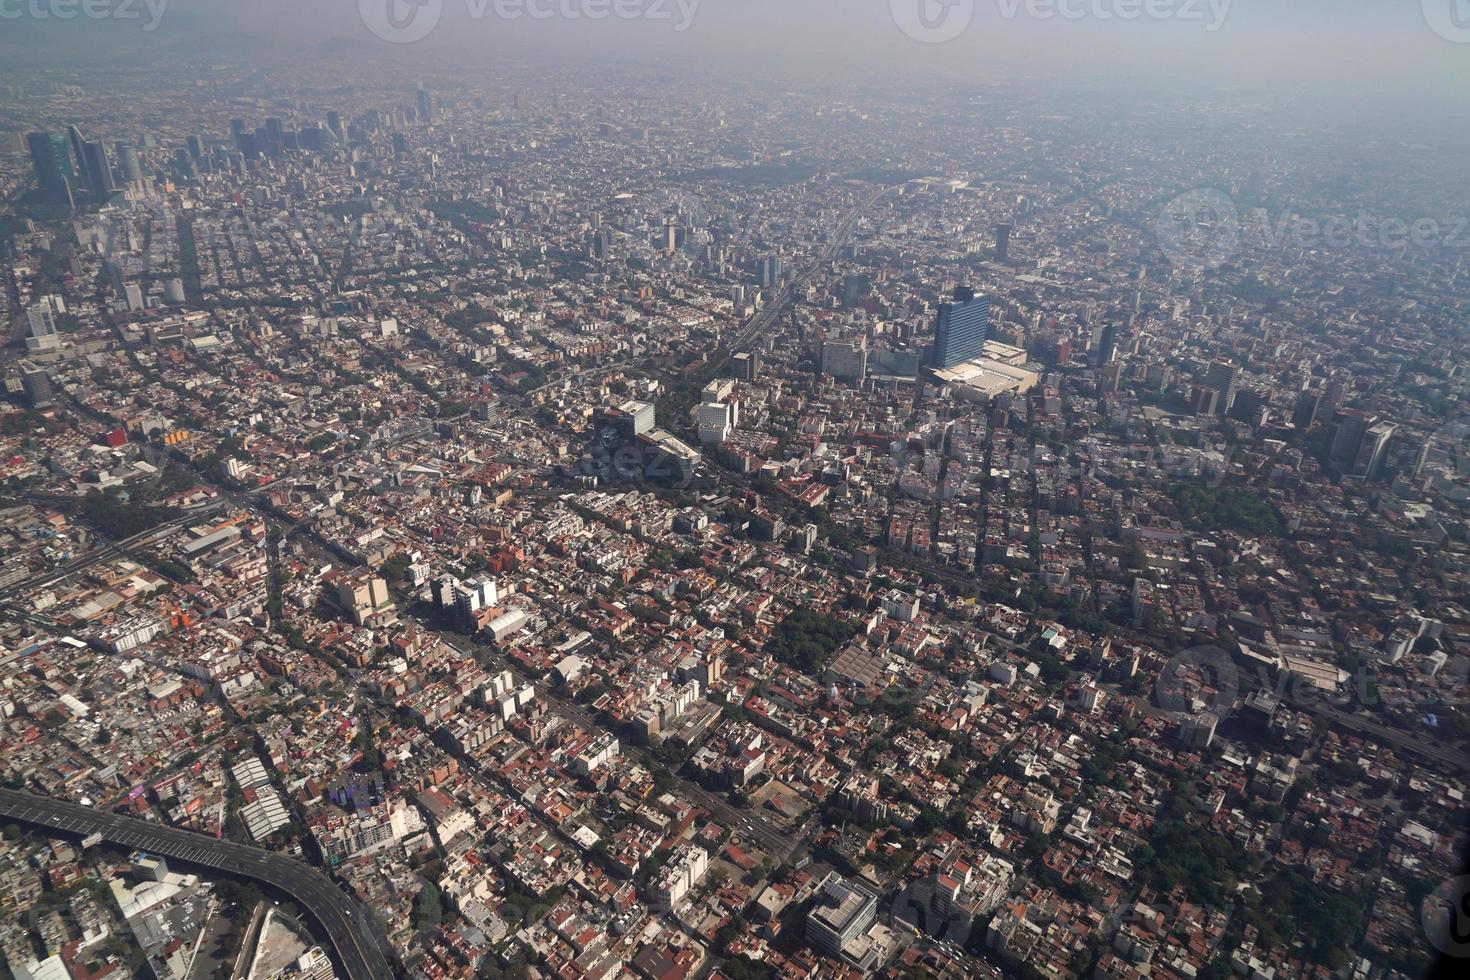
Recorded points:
(607, 524)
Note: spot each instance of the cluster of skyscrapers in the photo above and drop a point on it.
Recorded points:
(68, 163)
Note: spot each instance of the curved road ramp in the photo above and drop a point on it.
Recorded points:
(355, 947)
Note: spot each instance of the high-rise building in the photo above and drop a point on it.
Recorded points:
(855, 289)
(1002, 243)
(769, 272)
(424, 105)
(716, 420)
(99, 169)
(42, 326)
(52, 162)
(1107, 346)
(37, 384)
(1198, 731)
(1223, 377)
(746, 365)
(962, 328)
(362, 596)
(843, 911)
(602, 243)
(1305, 409)
(1372, 449)
(845, 360)
(634, 418)
(1347, 439)
(78, 144)
(127, 159)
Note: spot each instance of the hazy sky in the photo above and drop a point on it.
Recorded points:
(1360, 48)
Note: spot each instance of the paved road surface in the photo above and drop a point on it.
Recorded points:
(339, 917)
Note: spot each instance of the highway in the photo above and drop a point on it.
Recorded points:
(339, 917)
(110, 551)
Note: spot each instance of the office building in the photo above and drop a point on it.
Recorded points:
(1002, 243)
(633, 418)
(363, 597)
(602, 244)
(1305, 410)
(769, 271)
(52, 163)
(1223, 377)
(99, 169)
(37, 385)
(716, 422)
(42, 326)
(127, 159)
(1347, 439)
(1372, 449)
(845, 360)
(961, 330)
(1197, 731)
(746, 365)
(855, 289)
(78, 145)
(842, 913)
(1107, 346)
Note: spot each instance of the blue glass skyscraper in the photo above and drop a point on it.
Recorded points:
(962, 329)
(52, 163)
